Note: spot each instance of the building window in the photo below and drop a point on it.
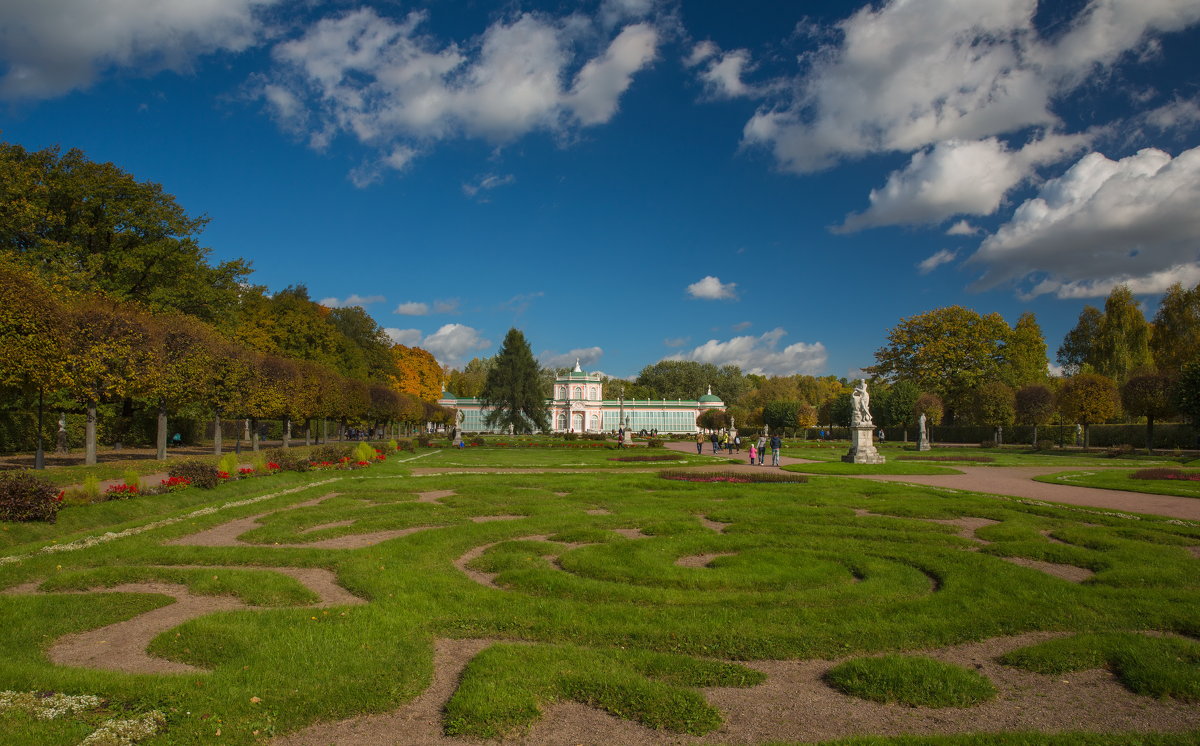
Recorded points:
(578, 393)
(595, 424)
(562, 422)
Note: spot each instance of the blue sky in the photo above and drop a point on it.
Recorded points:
(768, 184)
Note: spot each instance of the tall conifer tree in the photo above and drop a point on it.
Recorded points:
(513, 389)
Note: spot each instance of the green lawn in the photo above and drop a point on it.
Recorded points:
(561, 458)
(1006, 456)
(889, 467)
(1119, 479)
(832, 569)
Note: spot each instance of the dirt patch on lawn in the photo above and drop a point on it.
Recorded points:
(598, 511)
(701, 560)
(795, 704)
(713, 525)
(967, 526)
(323, 526)
(434, 496)
(630, 533)
(1066, 572)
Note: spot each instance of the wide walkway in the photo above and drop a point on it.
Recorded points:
(1016, 481)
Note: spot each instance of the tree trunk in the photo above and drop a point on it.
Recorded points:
(308, 432)
(89, 457)
(1086, 436)
(217, 434)
(252, 426)
(1035, 441)
(324, 431)
(342, 430)
(287, 432)
(39, 459)
(161, 439)
(1150, 436)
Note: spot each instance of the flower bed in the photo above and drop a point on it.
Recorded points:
(118, 491)
(658, 457)
(735, 477)
(1166, 473)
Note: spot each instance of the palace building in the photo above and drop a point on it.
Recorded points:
(577, 406)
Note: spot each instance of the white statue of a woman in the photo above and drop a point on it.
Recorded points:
(862, 405)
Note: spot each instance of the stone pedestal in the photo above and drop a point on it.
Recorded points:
(862, 446)
(923, 443)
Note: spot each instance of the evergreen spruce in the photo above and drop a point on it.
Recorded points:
(513, 390)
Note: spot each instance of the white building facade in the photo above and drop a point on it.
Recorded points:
(577, 405)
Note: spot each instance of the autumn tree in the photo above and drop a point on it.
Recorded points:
(512, 391)
(108, 358)
(948, 351)
(932, 407)
(468, 382)
(1151, 396)
(267, 396)
(182, 355)
(806, 417)
(417, 373)
(33, 335)
(1176, 337)
(1035, 407)
(1088, 398)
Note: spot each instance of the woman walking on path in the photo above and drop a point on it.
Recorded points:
(762, 445)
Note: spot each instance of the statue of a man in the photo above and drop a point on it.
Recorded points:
(862, 405)
(921, 426)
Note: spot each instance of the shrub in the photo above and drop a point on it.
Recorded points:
(331, 453)
(405, 445)
(1124, 449)
(423, 440)
(25, 497)
(132, 479)
(654, 443)
(1044, 445)
(595, 436)
(90, 489)
(228, 463)
(478, 441)
(570, 436)
(393, 445)
(198, 473)
(987, 444)
(289, 460)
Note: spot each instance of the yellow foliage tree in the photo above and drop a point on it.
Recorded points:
(417, 373)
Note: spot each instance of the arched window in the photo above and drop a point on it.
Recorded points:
(595, 394)
(562, 422)
(562, 392)
(578, 393)
(595, 424)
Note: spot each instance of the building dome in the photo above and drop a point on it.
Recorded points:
(710, 400)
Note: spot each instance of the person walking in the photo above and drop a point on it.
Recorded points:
(762, 445)
(776, 447)
(753, 453)
(737, 444)
(620, 439)
(716, 442)
(699, 443)
(725, 446)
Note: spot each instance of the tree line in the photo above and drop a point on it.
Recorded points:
(107, 297)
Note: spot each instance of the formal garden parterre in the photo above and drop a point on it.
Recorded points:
(682, 610)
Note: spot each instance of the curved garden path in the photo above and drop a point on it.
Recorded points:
(1013, 481)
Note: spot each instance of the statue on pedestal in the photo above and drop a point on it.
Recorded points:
(862, 429)
(922, 434)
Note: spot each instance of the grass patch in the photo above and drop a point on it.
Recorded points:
(910, 680)
(1153, 666)
(733, 477)
(1123, 479)
(1002, 456)
(971, 459)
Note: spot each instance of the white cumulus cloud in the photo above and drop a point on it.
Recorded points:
(486, 183)
(722, 72)
(51, 47)
(906, 74)
(1133, 220)
(406, 337)
(452, 344)
(761, 355)
(412, 308)
(390, 84)
(711, 288)
(957, 177)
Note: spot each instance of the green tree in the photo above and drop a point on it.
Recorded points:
(513, 392)
(1151, 396)
(366, 340)
(948, 351)
(1123, 344)
(1035, 407)
(806, 417)
(932, 407)
(181, 357)
(1088, 398)
(778, 415)
(97, 229)
(1187, 392)
(468, 382)
(1023, 355)
(1077, 354)
(1176, 327)
(897, 407)
(995, 404)
(687, 379)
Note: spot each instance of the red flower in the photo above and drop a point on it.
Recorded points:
(246, 470)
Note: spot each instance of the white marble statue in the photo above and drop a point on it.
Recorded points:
(862, 406)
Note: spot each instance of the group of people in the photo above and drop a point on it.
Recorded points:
(733, 444)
